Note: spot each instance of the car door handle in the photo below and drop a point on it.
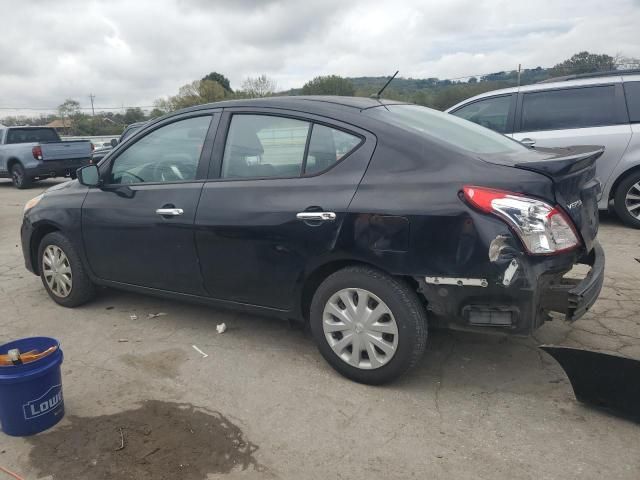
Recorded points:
(316, 216)
(529, 142)
(169, 212)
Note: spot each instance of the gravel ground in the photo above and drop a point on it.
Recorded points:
(477, 406)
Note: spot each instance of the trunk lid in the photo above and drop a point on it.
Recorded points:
(573, 173)
(66, 150)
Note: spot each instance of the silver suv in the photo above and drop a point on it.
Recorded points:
(594, 109)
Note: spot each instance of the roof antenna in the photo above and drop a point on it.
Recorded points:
(379, 94)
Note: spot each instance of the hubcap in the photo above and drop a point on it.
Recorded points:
(360, 328)
(632, 200)
(17, 177)
(57, 271)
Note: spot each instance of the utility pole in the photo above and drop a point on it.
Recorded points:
(91, 97)
(519, 68)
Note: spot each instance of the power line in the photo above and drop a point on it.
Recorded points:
(79, 108)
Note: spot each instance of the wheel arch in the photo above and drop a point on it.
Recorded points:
(313, 280)
(36, 238)
(11, 162)
(620, 179)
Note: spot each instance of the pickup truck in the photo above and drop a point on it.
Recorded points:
(33, 153)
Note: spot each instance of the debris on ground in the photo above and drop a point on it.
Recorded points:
(221, 328)
(10, 473)
(121, 447)
(133, 317)
(204, 355)
(110, 307)
(122, 340)
(156, 315)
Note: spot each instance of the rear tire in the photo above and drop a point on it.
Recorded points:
(19, 177)
(627, 200)
(62, 273)
(388, 343)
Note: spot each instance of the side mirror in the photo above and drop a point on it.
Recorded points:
(114, 142)
(89, 175)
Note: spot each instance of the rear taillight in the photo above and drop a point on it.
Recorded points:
(37, 152)
(543, 228)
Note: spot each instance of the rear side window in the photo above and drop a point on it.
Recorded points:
(32, 135)
(490, 112)
(632, 92)
(326, 147)
(263, 146)
(569, 108)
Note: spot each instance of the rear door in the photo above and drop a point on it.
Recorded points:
(585, 115)
(279, 188)
(138, 227)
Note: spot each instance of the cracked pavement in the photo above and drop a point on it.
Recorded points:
(477, 406)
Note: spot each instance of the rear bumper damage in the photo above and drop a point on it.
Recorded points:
(517, 295)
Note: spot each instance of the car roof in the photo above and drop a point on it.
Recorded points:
(321, 104)
(553, 84)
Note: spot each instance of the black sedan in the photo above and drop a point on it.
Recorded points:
(368, 219)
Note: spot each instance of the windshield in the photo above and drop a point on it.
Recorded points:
(30, 135)
(447, 128)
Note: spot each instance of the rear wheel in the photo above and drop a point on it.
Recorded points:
(369, 326)
(62, 272)
(19, 177)
(627, 200)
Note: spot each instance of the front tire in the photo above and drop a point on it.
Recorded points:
(369, 326)
(19, 177)
(627, 200)
(62, 272)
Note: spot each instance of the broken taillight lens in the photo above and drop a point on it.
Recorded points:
(543, 228)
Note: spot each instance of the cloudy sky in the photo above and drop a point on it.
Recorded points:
(132, 52)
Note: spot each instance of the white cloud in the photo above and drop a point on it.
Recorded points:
(130, 53)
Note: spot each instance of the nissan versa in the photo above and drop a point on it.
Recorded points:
(367, 218)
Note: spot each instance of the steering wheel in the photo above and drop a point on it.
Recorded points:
(135, 178)
(167, 171)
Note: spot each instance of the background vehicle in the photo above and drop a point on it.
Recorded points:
(28, 153)
(356, 214)
(594, 109)
(99, 154)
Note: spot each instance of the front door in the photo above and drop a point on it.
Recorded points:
(279, 194)
(138, 227)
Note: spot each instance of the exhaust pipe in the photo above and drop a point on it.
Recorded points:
(605, 381)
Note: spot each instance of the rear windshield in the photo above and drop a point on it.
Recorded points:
(30, 135)
(447, 128)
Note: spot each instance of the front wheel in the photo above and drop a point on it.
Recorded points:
(62, 272)
(627, 200)
(368, 325)
(19, 177)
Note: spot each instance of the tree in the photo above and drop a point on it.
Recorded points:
(261, 86)
(221, 79)
(328, 85)
(194, 93)
(132, 115)
(584, 62)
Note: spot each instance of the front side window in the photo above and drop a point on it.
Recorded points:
(169, 154)
(490, 112)
(632, 92)
(264, 146)
(569, 108)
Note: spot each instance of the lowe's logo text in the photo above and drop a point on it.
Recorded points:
(46, 403)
